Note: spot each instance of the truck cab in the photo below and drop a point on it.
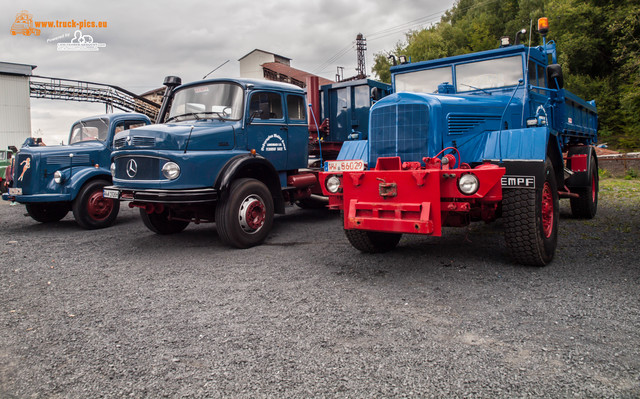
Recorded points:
(53, 180)
(229, 150)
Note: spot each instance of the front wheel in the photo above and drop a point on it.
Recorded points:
(244, 216)
(91, 210)
(531, 221)
(586, 205)
(48, 212)
(372, 241)
(161, 223)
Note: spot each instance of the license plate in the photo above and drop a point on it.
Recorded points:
(111, 194)
(15, 191)
(344, 166)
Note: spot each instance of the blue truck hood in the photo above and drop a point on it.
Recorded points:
(202, 135)
(53, 157)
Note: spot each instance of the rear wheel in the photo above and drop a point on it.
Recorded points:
(531, 221)
(47, 212)
(244, 216)
(91, 210)
(586, 205)
(160, 223)
(372, 241)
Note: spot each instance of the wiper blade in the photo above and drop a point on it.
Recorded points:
(187, 114)
(220, 115)
(476, 88)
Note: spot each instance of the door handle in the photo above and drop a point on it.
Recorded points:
(284, 128)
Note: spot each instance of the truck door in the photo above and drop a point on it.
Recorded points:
(297, 156)
(268, 132)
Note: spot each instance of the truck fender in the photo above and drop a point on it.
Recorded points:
(256, 167)
(80, 176)
(523, 153)
(581, 178)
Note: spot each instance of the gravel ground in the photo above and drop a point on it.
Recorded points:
(122, 312)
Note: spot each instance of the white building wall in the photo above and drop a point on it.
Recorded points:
(250, 64)
(15, 110)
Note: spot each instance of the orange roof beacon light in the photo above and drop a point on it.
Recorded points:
(543, 26)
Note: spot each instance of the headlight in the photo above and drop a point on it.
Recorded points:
(468, 184)
(333, 184)
(113, 169)
(57, 177)
(171, 170)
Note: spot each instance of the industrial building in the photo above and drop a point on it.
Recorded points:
(15, 104)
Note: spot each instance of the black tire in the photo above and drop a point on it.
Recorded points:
(372, 241)
(531, 221)
(48, 212)
(586, 206)
(159, 223)
(313, 202)
(246, 197)
(91, 210)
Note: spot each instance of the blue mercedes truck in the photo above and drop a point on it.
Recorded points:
(229, 151)
(53, 180)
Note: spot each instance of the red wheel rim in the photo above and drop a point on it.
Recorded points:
(252, 214)
(547, 210)
(593, 188)
(99, 208)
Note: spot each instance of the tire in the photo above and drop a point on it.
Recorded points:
(372, 241)
(48, 212)
(159, 223)
(586, 206)
(313, 202)
(91, 210)
(531, 221)
(244, 215)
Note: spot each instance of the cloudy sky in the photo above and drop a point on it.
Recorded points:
(145, 41)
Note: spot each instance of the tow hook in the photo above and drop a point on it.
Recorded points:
(387, 190)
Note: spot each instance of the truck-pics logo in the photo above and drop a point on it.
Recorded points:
(519, 181)
(273, 143)
(23, 25)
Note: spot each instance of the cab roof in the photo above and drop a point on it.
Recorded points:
(254, 84)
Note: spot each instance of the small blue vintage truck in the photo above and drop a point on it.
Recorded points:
(53, 180)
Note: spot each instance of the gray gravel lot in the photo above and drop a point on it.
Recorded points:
(122, 312)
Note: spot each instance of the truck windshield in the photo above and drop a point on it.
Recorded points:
(95, 129)
(213, 100)
(426, 81)
(499, 72)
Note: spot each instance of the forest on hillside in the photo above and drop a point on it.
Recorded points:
(598, 45)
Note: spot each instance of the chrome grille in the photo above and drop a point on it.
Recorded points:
(136, 141)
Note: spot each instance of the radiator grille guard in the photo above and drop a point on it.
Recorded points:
(399, 130)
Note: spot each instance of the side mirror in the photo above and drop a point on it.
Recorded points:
(554, 77)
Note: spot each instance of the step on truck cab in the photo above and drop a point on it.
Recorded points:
(53, 180)
(469, 138)
(229, 151)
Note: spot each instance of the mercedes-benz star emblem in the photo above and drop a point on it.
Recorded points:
(132, 168)
(129, 138)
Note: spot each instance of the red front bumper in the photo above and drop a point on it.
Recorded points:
(401, 199)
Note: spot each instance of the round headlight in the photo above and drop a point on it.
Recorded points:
(468, 184)
(333, 184)
(57, 177)
(113, 169)
(171, 170)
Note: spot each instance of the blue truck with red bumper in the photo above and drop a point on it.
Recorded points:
(53, 180)
(470, 138)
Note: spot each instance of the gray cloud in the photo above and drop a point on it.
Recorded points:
(147, 41)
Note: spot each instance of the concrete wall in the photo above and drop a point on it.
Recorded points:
(250, 64)
(15, 110)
